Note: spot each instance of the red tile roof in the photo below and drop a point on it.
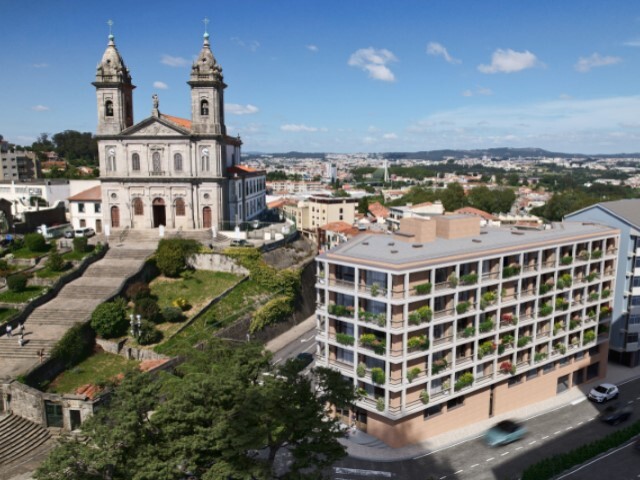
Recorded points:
(91, 195)
(378, 210)
(244, 170)
(181, 122)
(338, 227)
(476, 211)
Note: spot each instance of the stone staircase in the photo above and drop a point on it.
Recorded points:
(30, 349)
(19, 438)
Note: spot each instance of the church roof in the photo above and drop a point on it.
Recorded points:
(181, 122)
(206, 68)
(112, 68)
(91, 195)
(244, 170)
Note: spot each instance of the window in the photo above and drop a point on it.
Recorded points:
(155, 160)
(634, 319)
(635, 301)
(532, 374)
(636, 281)
(180, 207)
(632, 338)
(138, 208)
(549, 367)
(433, 411)
(564, 361)
(563, 384)
(205, 160)
(637, 262)
(108, 108)
(111, 159)
(514, 380)
(177, 162)
(578, 377)
(344, 356)
(204, 107)
(595, 350)
(455, 402)
(97, 207)
(81, 208)
(593, 370)
(578, 356)
(135, 162)
(83, 223)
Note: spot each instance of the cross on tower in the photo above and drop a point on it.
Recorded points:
(206, 23)
(110, 23)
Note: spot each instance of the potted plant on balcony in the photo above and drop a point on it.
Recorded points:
(424, 397)
(596, 254)
(523, 341)
(539, 356)
(412, 374)
(465, 380)
(361, 370)
(438, 366)
(566, 260)
(508, 318)
(507, 367)
(377, 375)
(589, 336)
(415, 318)
(469, 332)
(424, 288)
(511, 270)
(545, 310)
(486, 348)
(452, 279)
(605, 293)
(345, 339)
(446, 386)
(418, 341)
(604, 312)
(469, 279)
(486, 326)
(558, 327)
(375, 290)
(560, 348)
(561, 304)
(584, 255)
(463, 307)
(380, 404)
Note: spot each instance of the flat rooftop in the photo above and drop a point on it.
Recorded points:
(388, 252)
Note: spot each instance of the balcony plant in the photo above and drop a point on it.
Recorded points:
(488, 298)
(452, 279)
(486, 348)
(591, 314)
(375, 290)
(340, 310)
(345, 339)
(523, 341)
(507, 367)
(509, 318)
(605, 293)
(464, 380)
(469, 279)
(544, 288)
(380, 404)
(438, 365)
(593, 297)
(592, 276)
(415, 318)
(425, 313)
(564, 281)
(506, 340)
(566, 260)
(511, 270)
(423, 289)
(469, 332)
(377, 375)
(604, 312)
(462, 307)
(486, 326)
(418, 341)
(545, 310)
(373, 342)
(539, 356)
(560, 348)
(573, 324)
(361, 392)
(584, 255)
(412, 374)
(596, 254)
(561, 304)
(424, 397)
(589, 336)
(558, 327)
(361, 369)
(380, 319)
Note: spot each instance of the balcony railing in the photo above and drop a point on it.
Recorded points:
(444, 313)
(464, 360)
(442, 340)
(344, 284)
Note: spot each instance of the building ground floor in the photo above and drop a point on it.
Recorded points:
(517, 391)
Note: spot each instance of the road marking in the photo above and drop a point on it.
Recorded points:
(442, 478)
(519, 448)
(503, 454)
(580, 400)
(489, 459)
(531, 443)
(629, 402)
(363, 473)
(543, 438)
(459, 471)
(304, 340)
(277, 361)
(555, 433)
(580, 423)
(611, 452)
(448, 447)
(474, 465)
(569, 427)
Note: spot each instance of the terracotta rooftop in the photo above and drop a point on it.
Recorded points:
(91, 195)
(243, 170)
(181, 122)
(338, 227)
(378, 210)
(475, 211)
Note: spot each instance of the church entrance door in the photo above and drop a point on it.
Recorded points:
(206, 217)
(115, 217)
(159, 213)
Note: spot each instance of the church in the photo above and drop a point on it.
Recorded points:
(170, 171)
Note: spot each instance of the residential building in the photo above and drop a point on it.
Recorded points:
(624, 215)
(24, 196)
(165, 170)
(85, 209)
(447, 323)
(19, 165)
(424, 210)
(311, 214)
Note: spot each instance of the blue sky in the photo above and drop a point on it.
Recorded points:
(343, 75)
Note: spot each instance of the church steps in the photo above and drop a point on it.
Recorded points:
(18, 437)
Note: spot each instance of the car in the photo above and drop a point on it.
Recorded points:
(615, 414)
(504, 432)
(69, 234)
(240, 243)
(84, 232)
(305, 358)
(603, 393)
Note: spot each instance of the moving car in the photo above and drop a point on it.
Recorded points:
(85, 232)
(614, 414)
(504, 432)
(603, 392)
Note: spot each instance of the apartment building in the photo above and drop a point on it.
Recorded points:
(624, 346)
(311, 214)
(446, 323)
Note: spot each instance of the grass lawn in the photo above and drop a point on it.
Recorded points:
(198, 287)
(24, 252)
(6, 313)
(97, 369)
(47, 273)
(244, 299)
(21, 297)
(73, 255)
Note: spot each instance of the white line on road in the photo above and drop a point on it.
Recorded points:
(555, 433)
(519, 448)
(531, 443)
(489, 459)
(363, 473)
(596, 460)
(569, 427)
(304, 340)
(474, 465)
(503, 454)
(580, 400)
(580, 423)
(543, 438)
(459, 471)
(629, 402)
(442, 478)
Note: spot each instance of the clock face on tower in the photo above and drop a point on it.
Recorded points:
(205, 151)
(112, 151)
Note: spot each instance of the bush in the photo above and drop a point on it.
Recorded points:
(377, 375)
(75, 345)
(55, 262)
(148, 309)
(5, 269)
(181, 303)
(172, 255)
(80, 244)
(17, 282)
(35, 242)
(275, 310)
(172, 314)
(109, 319)
(361, 370)
(148, 333)
(138, 290)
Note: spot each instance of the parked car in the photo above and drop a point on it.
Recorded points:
(305, 358)
(504, 432)
(614, 414)
(85, 232)
(69, 234)
(604, 392)
(240, 243)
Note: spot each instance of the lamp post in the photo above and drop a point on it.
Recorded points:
(133, 325)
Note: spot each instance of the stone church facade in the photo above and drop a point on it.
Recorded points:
(165, 170)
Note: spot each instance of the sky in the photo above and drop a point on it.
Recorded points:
(342, 75)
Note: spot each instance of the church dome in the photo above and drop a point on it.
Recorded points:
(205, 68)
(112, 68)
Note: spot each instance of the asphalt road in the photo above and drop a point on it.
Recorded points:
(304, 343)
(559, 431)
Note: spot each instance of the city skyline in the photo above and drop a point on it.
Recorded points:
(344, 76)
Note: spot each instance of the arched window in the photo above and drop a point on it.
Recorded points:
(108, 108)
(205, 162)
(111, 159)
(155, 159)
(135, 162)
(177, 162)
(180, 207)
(138, 207)
(204, 107)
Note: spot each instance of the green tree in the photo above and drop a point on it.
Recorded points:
(453, 197)
(35, 242)
(496, 200)
(172, 255)
(55, 262)
(363, 205)
(109, 319)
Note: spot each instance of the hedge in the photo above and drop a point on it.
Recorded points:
(552, 466)
(75, 345)
(272, 312)
(35, 242)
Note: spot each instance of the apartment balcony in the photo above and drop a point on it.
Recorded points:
(463, 360)
(487, 277)
(548, 265)
(438, 393)
(479, 380)
(345, 285)
(344, 368)
(448, 312)
(443, 341)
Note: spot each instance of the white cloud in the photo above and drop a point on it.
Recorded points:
(635, 42)
(509, 61)
(467, 93)
(293, 127)
(40, 65)
(237, 109)
(595, 60)
(160, 85)
(390, 136)
(174, 61)
(374, 62)
(478, 91)
(312, 48)
(252, 45)
(438, 50)
(40, 108)
(564, 96)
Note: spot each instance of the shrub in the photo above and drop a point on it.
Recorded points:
(172, 255)
(462, 307)
(35, 242)
(75, 345)
(425, 313)
(361, 369)
(508, 367)
(486, 326)
(566, 260)
(412, 374)
(345, 339)
(274, 311)
(469, 332)
(423, 289)
(55, 262)
(380, 404)
(181, 303)
(138, 290)
(589, 337)
(523, 341)
(419, 341)
(17, 282)
(438, 366)
(377, 375)
(80, 244)
(172, 314)
(424, 397)
(148, 333)
(453, 280)
(148, 309)
(465, 380)
(109, 319)
(5, 269)
(469, 279)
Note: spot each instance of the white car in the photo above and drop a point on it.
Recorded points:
(604, 392)
(85, 232)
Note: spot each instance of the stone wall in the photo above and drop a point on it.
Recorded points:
(130, 353)
(24, 401)
(216, 262)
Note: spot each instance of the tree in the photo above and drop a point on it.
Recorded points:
(109, 319)
(453, 197)
(363, 205)
(55, 262)
(35, 242)
(172, 255)
(492, 200)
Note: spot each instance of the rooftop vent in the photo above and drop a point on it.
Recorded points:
(483, 232)
(476, 240)
(516, 233)
(394, 251)
(417, 245)
(365, 243)
(391, 244)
